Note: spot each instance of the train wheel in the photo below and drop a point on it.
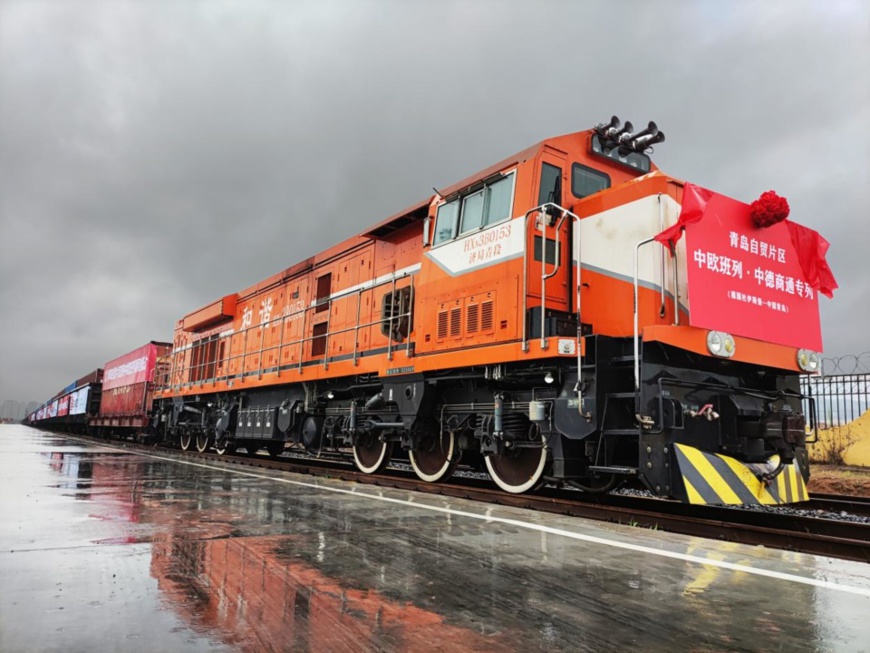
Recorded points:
(518, 470)
(202, 442)
(184, 440)
(224, 447)
(436, 458)
(370, 454)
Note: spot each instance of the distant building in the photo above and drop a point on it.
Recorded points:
(12, 410)
(9, 409)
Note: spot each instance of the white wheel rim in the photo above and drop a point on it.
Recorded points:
(437, 476)
(372, 469)
(181, 442)
(528, 485)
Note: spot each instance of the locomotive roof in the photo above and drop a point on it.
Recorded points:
(419, 210)
(400, 220)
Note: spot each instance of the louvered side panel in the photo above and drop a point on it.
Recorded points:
(472, 318)
(487, 315)
(456, 322)
(442, 325)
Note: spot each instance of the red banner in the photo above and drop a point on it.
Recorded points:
(748, 281)
(135, 367)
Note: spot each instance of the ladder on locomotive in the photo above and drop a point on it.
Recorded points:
(618, 369)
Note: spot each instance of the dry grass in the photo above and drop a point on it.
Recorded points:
(848, 444)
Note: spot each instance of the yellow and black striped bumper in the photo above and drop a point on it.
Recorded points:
(715, 479)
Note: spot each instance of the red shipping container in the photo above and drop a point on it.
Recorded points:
(94, 377)
(135, 367)
(128, 384)
(128, 400)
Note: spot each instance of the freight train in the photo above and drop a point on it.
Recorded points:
(570, 314)
(113, 400)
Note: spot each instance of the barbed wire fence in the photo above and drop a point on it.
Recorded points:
(841, 391)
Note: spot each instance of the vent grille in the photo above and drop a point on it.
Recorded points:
(456, 321)
(472, 318)
(442, 325)
(486, 320)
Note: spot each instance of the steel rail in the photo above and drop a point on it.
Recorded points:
(771, 528)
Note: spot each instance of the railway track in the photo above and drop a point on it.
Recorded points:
(782, 527)
(834, 503)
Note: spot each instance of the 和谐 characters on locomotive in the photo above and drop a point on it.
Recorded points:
(458, 330)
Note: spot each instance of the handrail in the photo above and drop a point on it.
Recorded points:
(565, 214)
(676, 289)
(260, 355)
(325, 336)
(662, 253)
(304, 311)
(356, 325)
(636, 320)
(183, 371)
(390, 325)
(410, 316)
(544, 275)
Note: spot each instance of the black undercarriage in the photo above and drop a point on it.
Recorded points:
(594, 433)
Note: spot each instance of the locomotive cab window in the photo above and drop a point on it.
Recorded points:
(550, 253)
(472, 212)
(551, 185)
(490, 203)
(445, 223)
(586, 181)
(498, 200)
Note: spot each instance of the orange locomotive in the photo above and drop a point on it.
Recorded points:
(458, 330)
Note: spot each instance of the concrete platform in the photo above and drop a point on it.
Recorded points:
(103, 550)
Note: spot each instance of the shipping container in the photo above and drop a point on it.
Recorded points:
(127, 388)
(94, 377)
(134, 367)
(79, 402)
(126, 400)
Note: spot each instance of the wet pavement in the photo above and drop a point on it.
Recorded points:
(102, 549)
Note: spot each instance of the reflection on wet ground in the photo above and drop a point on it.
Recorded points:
(121, 551)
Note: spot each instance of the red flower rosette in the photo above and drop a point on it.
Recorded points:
(769, 209)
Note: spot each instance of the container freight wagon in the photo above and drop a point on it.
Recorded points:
(127, 390)
(71, 408)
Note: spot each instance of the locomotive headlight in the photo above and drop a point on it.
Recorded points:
(721, 344)
(808, 361)
(714, 342)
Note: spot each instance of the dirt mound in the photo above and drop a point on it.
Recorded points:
(848, 444)
(827, 479)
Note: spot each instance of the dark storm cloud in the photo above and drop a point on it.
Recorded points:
(154, 156)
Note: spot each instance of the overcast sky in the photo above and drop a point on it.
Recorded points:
(157, 155)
